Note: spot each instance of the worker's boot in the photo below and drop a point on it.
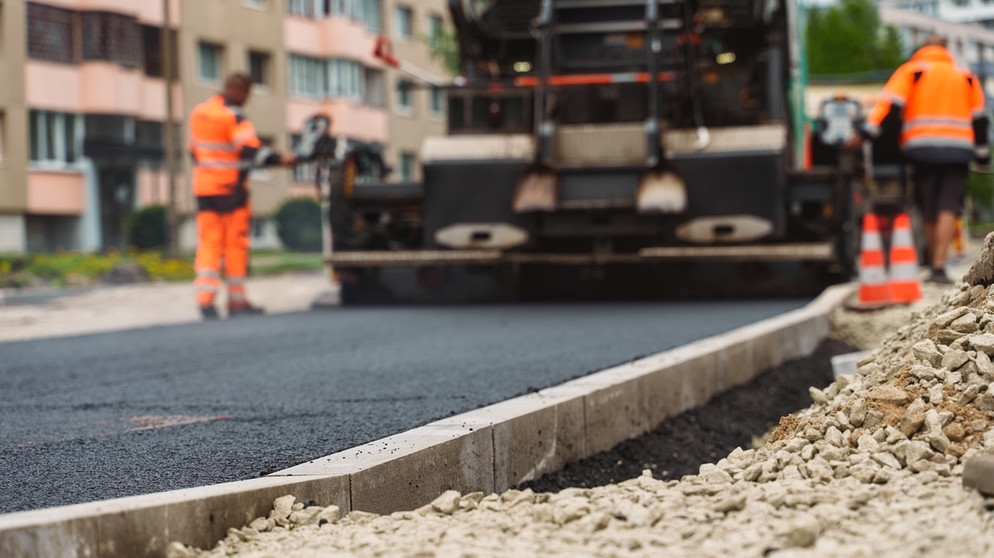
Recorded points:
(245, 309)
(209, 313)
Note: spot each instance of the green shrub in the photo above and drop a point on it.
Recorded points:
(298, 224)
(980, 192)
(147, 228)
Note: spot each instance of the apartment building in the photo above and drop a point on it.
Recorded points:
(83, 101)
(979, 12)
(961, 22)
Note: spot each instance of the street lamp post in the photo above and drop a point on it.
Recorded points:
(169, 135)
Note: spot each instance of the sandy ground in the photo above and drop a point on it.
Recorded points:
(111, 308)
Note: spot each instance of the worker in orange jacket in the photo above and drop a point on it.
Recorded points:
(225, 149)
(944, 128)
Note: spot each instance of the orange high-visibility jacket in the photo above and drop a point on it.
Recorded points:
(941, 108)
(225, 148)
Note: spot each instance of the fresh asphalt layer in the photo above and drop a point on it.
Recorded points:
(108, 415)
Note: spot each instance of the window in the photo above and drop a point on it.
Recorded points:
(112, 37)
(371, 15)
(402, 22)
(364, 11)
(149, 134)
(51, 34)
(209, 55)
(434, 25)
(152, 52)
(56, 138)
(404, 103)
(320, 78)
(308, 76)
(407, 162)
(346, 79)
(307, 8)
(258, 63)
(437, 101)
(257, 4)
(376, 85)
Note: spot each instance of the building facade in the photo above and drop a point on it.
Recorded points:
(962, 23)
(978, 12)
(84, 102)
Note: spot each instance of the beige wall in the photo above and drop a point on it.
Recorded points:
(240, 28)
(13, 125)
(407, 131)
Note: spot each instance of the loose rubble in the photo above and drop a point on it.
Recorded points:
(873, 468)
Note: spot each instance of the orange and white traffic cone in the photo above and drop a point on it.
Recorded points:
(874, 290)
(904, 284)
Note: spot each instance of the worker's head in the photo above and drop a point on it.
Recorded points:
(934, 40)
(237, 88)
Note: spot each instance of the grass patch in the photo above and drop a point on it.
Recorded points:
(277, 263)
(80, 269)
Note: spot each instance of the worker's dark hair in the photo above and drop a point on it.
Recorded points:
(239, 80)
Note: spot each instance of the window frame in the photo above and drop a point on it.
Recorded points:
(55, 153)
(408, 162)
(400, 31)
(261, 5)
(267, 69)
(436, 102)
(219, 61)
(404, 97)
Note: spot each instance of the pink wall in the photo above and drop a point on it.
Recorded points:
(333, 37)
(55, 193)
(148, 11)
(151, 189)
(97, 87)
(105, 88)
(361, 122)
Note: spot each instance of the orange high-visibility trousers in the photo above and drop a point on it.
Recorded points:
(222, 237)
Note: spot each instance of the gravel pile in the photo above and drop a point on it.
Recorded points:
(873, 468)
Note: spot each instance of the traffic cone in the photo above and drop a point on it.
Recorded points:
(874, 290)
(904, 284)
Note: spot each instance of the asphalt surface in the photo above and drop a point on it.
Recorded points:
(115, 414)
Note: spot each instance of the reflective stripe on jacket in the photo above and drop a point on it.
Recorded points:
(224, 146)
(941, 106)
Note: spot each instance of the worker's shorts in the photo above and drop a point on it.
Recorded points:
(939, 187)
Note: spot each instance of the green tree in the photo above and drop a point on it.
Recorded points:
(445, 48)
(849, 38)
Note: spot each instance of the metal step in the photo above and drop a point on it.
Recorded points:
(807, 251)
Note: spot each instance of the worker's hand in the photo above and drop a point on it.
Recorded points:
(288, 159)
(855, 142)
